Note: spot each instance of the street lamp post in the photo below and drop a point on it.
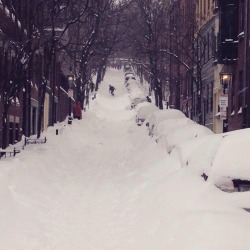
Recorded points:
(167, 92)
(225, 81)
(70, 90)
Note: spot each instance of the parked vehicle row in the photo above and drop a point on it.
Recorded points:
(129, 76)
(144, 111)
(136, 93)
(206, 154)
(158, 116)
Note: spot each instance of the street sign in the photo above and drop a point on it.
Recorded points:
(70, 93)
(223, 101)
(223, 115)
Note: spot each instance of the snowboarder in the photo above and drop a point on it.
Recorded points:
(111, 89)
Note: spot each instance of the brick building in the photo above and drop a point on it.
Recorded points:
(204, 68)
(232, 65)
(187, 21)
(11, 98)
(221, 43)
(23, 62)
(239, 93)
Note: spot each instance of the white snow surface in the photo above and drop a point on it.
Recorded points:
(103, 184)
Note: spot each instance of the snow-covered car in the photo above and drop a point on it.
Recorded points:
(230, 168)
(132, 87)
(185, 133)
(129, 73)
(166, 127)
(127, 67)
(160, 115)
(138, 100)
(144, 111)
(130, 80)
(221, 159)
(128, 77)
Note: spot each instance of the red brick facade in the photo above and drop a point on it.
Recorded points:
(23, 111)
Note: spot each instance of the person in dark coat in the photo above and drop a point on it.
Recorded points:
(77, 111)
(111, 89)
(149, 99)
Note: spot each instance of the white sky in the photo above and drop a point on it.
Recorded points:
(104, 184)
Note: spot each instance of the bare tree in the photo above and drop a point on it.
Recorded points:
(110, 39)
(59, 16)
(94, 40)
(17, 77)
(147, 19)
(186, 55)
(187, 48)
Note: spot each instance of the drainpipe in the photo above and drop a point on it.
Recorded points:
(245, 76)
(170, 58)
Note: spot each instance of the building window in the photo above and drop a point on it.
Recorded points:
(17, 132)
(208, 46)
(242, 16)
(200, 10)
(194, 104)
(204, 11)
(11, 133)
(229, 20)
(211, 89)
(216, 3)
(213, 43)
(232, 91)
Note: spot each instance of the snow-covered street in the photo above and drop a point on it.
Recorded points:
(104, 184)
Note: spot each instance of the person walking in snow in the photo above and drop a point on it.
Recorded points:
(111, 89)
(149, 99)
(77, 111)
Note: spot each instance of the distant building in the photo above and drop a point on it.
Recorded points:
(232, 63)
(239, 89)
(187, 31)
(204, 68)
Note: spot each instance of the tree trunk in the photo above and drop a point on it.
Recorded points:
(200, 90)
(41, 108)
(156, 84)
(43, 88)
(103, 71)
(5, 127)
(24, 125)
(160, 95)
(177, 98)
(82, 92)
(99, 77)
(29, 107)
